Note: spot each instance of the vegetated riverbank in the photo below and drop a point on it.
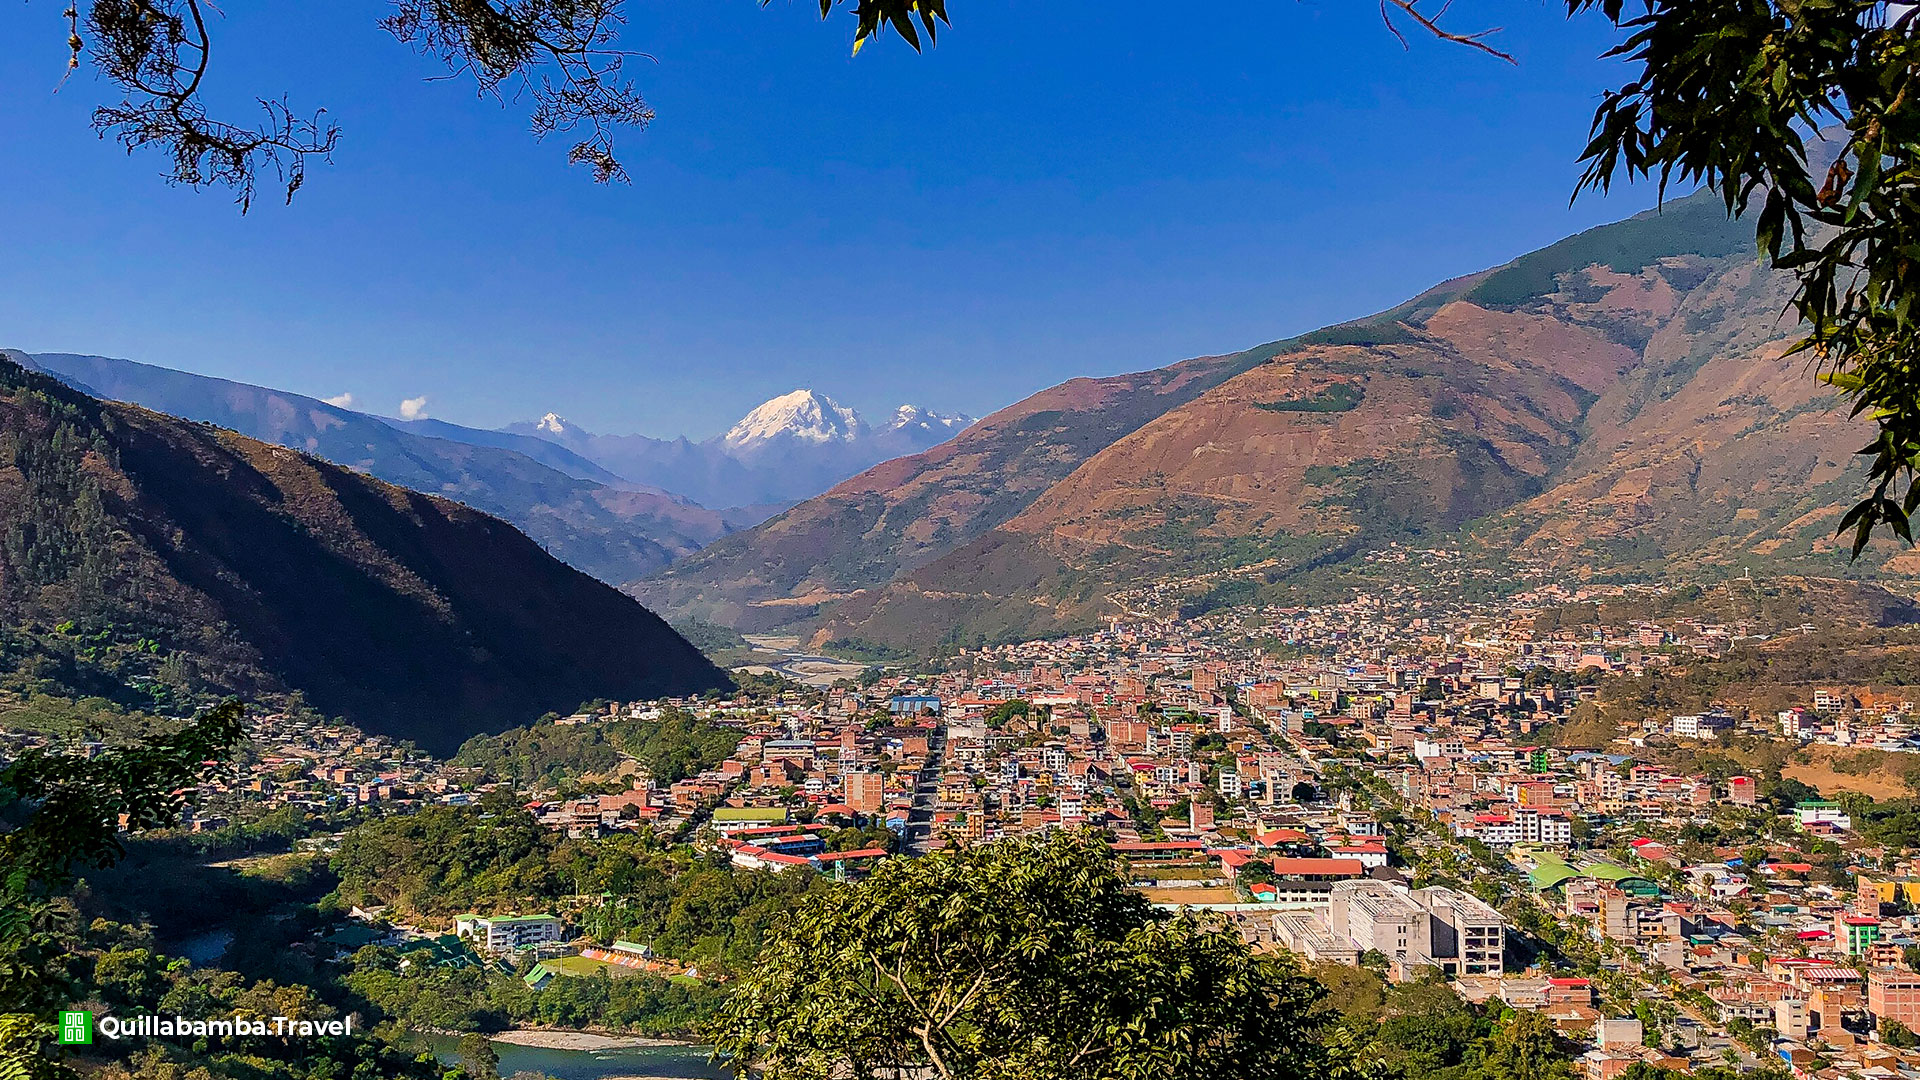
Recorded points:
(566, 1039)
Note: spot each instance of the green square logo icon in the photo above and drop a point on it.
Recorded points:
(76, 1028)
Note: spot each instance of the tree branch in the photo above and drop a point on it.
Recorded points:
(140, 46)
(1431, 25)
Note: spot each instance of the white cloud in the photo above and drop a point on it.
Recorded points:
(344, 401)
(414, 408)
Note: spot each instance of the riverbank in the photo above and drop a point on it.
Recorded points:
(585, 1055)
(555, 1039)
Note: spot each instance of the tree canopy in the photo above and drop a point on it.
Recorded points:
(565, 57)
(1021, 958)
(65, 810)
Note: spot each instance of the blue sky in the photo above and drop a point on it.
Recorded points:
(1055, 190)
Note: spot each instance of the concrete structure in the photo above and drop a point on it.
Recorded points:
(505, 933)
(1623, 1032)
(1792, 1018)
(1381, 917)
(1306, 933)
(1467, 936)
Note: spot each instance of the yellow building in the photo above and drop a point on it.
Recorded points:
(1891, 890)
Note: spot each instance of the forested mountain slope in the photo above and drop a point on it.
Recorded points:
(156, 561)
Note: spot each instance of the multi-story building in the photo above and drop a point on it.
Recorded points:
(1311, 881)
(505, 933)
(1380, 917)
(866, 792)
(1894, 995)
(1467, 936)
(1855, 934)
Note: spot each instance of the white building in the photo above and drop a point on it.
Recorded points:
(1433, 927)
(1371, 855)
(1230, 785)
(1706, 725)
(1538, 828)
(505, 933)
(1439, 748)
(1380, 917)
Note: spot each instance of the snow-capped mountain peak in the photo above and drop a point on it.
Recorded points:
(913, 416)
(802, 415)
(552, 423)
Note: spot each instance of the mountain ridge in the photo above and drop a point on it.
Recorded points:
(615, 530)
(1515, 411)
(196, 560)
(787, 448)
(905, 512)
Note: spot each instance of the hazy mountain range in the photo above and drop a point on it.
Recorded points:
(147, 556)
(1618, 403)
(618, 507)
(787, 449)
(600, 523)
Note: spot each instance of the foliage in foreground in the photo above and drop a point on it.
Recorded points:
(494, 859)
(547, 755)
(1018, 959)
(1723, 94)
(65, 810)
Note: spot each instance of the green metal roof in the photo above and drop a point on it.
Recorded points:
(751, 813)
(1606, 871)
(1550, 871)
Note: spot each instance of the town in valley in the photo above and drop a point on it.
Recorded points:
(1385, 784)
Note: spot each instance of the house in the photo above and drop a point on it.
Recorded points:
(1371, 856)
(1310, 881)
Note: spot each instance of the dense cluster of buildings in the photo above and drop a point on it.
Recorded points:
(1374, 782)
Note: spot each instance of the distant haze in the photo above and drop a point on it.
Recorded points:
(789, 448)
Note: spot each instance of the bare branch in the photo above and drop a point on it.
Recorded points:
(562, 55)
(1431, 25)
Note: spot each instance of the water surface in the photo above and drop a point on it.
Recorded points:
(676, 1062)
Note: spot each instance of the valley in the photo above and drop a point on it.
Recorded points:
(151, 563)
(1033, 542)
(1618, 404)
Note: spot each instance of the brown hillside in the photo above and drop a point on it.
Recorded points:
(1715, 450)
(1615, 403)
(903, 513)
(1316, 450)
(1611, 418)
(191, 557)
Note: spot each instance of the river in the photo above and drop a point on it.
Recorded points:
(676, 1062)
(203, 949)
